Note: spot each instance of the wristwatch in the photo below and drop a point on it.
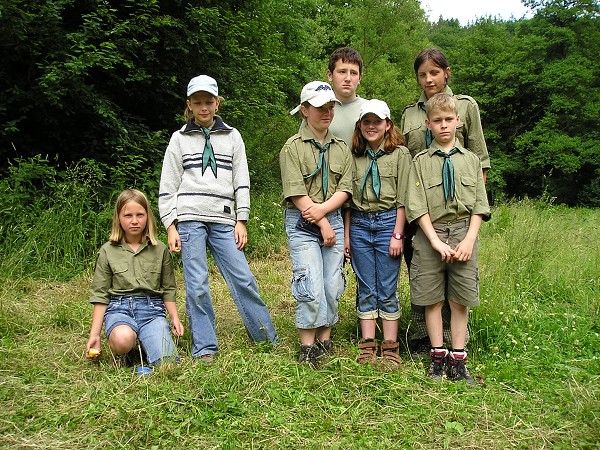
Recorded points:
(398, 236)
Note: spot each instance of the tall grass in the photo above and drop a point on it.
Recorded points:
(533, 350)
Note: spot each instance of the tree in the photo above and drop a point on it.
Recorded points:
(537, 84)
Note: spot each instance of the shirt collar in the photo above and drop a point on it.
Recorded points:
(423, 99)
(435, 147)
(125, 246)
(219, 125)
(307, 134)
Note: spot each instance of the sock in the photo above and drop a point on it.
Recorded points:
(459, 353)
(438, 352)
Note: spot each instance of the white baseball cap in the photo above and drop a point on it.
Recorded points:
(317, 93)
(203, 83)
(374, 106)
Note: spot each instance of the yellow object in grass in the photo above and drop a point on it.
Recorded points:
(93, 353)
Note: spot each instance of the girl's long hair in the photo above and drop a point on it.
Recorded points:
(132, 195)
(392, 139)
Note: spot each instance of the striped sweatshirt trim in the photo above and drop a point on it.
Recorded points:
(187, 194)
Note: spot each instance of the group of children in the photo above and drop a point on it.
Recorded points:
(354, 186)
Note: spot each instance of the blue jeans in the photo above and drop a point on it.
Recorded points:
(195, 238)
(376, 271)
(318, 276)
(146, 316)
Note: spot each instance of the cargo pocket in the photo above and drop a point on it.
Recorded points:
(302, 286)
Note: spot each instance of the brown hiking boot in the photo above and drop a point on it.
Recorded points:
(368, 352)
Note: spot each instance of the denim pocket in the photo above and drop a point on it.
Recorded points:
(112, 306)
(302, 286)
(157, 306)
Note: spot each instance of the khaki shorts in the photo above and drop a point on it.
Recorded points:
(430, 276)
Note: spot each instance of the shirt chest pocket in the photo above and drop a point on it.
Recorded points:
(121, 277)
(387, 170)
(434, 192)
(468, 191)
(432, 183)
(461, 131)
(336, 170)
(151, 273)
(415, 124)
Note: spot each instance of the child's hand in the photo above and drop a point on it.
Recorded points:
(173, 239)
(443, 249)
(93, 350)
(314, 213)
(396, 247)
(327, 233)
(177, 327)
(241, 235)
(346, 246)
(464, 250)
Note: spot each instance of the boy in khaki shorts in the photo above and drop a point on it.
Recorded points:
(447, 198)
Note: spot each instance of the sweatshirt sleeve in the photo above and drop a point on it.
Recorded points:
(170, 180)
(241, 177)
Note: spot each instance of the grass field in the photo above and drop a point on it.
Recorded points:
(534, 351)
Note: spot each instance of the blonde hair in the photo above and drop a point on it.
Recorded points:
(441, 101)
(189, 115)
(132, 195)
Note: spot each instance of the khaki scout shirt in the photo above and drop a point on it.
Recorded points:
(426, 191)
(468, 132)
(120, 271)
(393, 174)
(299, 157)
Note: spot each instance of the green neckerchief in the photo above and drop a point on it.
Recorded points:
(428, 133)
(208, 155)
(321, 166)
(447, 173)
(372, 170)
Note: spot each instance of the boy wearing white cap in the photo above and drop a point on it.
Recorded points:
(316, 178)
(375, 227)
(204, 202)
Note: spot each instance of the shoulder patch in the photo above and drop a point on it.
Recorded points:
(465, 97)
(293, 138)
(408, 107)
(421, 153)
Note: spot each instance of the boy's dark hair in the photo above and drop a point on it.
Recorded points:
(435, 56)
(347, 55)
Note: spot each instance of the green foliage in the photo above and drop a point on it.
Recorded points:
(107, 81)
(53, 227)
(536, 83)
(53, 222)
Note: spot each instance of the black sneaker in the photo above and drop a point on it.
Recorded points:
(307, 354)
(457, 370)
(324, 348)
(437, 368)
